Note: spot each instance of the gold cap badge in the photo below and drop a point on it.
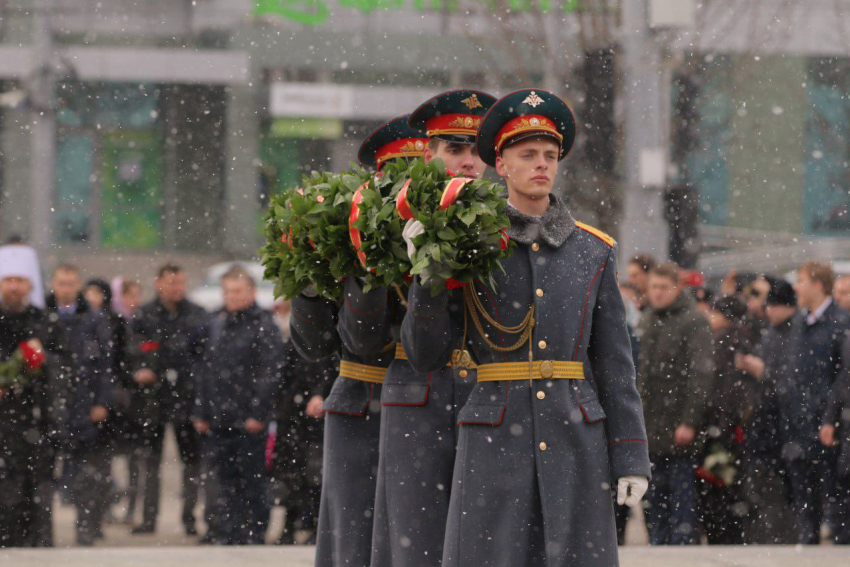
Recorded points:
(472, 102)
(533, 100)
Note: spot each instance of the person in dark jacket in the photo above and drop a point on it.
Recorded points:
(676, 375)
(817, 336)
(769, 517)
(237, 381)
(835, 433)
(728, 408)
(98, 296)
(28, 414)
(297, 457)
(168, 329)
(84, 439)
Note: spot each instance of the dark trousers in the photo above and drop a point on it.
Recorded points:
(188, 444)
(210, 487)
(26, 498)
(841, 511)
(721, 524)
(671, 502)
(145, 462)
(807, 492)
(243, 504)
(621, 518)
(90, 488)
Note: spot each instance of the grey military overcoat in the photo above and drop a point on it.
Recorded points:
(536, 459)
(418, 435)
(350, 453)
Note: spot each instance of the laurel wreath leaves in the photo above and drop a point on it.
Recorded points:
(308, 239)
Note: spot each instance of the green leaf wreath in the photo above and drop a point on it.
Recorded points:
(463, 240)
(382, 247)
(315, 237)
(307, 235)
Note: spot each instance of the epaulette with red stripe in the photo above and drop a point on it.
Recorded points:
(597, 233)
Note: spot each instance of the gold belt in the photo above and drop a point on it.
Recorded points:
(400, 355)
(537, 370)
(362, 372)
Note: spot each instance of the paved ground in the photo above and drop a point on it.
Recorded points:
(826, 556)
(170, 528)
(170, 547)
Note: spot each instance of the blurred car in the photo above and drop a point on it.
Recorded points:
(208, 295)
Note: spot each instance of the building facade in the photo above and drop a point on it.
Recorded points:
(135, 132)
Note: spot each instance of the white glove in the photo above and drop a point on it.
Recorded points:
(630, 489)
(412, 229)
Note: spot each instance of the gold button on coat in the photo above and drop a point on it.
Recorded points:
(547, 369)
(535, 247)
(539, 293)
(541, 395)
(542, 345)
(542, 446)
(463, 373)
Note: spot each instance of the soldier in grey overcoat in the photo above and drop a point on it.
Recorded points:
(352, 423)
(420, 410)
(555, 417)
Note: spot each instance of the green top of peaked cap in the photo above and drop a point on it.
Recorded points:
(525, 114)
(453, 116)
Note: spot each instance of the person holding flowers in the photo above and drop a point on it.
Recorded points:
(555, 417)
(28, 341)
(419, 414)
(352, 410)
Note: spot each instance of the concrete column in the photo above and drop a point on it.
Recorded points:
(241, 191)
(15, 200)
(643, 228)
(42, 101)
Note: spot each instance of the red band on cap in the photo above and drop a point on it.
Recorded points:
(523, 124)
(404, 148)
(457, 124)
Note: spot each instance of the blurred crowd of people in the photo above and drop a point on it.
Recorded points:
(746, 395)
(244, 407)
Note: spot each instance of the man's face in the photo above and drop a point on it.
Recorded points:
(14, 291)
(637, 277)
(778, 314)
(460, 159)
(841, 292)
(808, 290)
(239, 294)
(662, 291)
(529, 167)
(66, 286)
(171, 286)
